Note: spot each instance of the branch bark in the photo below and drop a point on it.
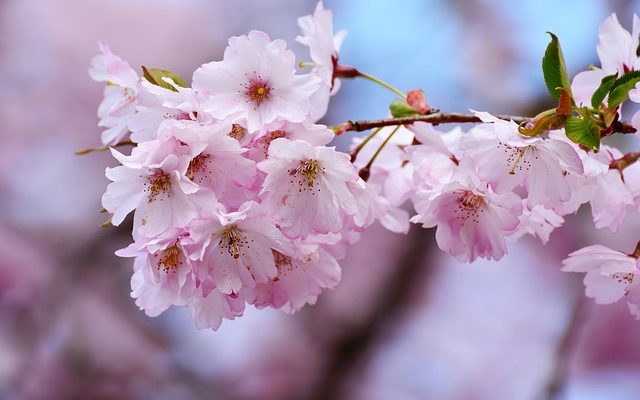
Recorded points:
(451, 118)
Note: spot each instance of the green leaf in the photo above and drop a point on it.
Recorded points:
(620, 90)
(155, 75)
(583, 130)
(554, 68)
(602, 90)
(400, 108)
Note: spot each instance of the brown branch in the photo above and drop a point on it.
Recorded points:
(450, 118)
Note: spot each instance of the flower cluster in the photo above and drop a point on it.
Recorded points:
(238, 199)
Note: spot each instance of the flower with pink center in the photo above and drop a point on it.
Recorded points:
(163, 274)
(119, 104)
(300, 279)
(610, 274)
(317, 35)
(305, 189)
(236, 248)
(506, 160)
(617, 49)
(218, 163)
(153, 181)
(472, 220)
(256, 83)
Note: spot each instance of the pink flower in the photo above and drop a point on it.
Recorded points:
(610, 274)
(163, 275)
(157, 105)
(255, 84)
(153, 181)
(306, 187)
(300, 279)
(617, 51)
(236, 248)
(317, 135)
(617, 47)
(210, 309)
(611, 199)
(472, 220)
(317, 34)
(390, 182)
(119, 103)
(537, 221)
(506, 160)
(433, 160)
(220, 166)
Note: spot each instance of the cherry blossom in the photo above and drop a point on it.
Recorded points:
(152, 181)
(119, 103)
(300, 279)
(306, 187)
(617, 49)
(163, 275)
(610, 274)
(324, 45)
(506, 159)
(472, 220)
(255, 84)
(239, 199)
(236, 248)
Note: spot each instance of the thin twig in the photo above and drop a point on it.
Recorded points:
(451, 118)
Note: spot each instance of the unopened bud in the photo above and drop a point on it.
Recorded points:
(417, 101)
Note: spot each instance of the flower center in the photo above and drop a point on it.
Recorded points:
(158, 184)
(284, 264)
(470, 205)
(257, 90)
(266, 140)
(197, 166)
(516, 160)
(233, 241)
(169, 259)
(626, 278)
(238, 131)
(308, 171)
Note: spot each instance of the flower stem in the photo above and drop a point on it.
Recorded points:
(382, 83)
(364, 172)
(356, 150)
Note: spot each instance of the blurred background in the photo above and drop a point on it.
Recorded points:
(407, 322)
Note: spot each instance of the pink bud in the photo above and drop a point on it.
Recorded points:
(417, 101)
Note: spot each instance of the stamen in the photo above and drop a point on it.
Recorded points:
(197, 165)
(284, 264)
(238, 132)
(308, 171)
(170, 259)
(625, 278)
(266, 140)
(470, 207)
(233, 241)
(257, 90)
(157, 184)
